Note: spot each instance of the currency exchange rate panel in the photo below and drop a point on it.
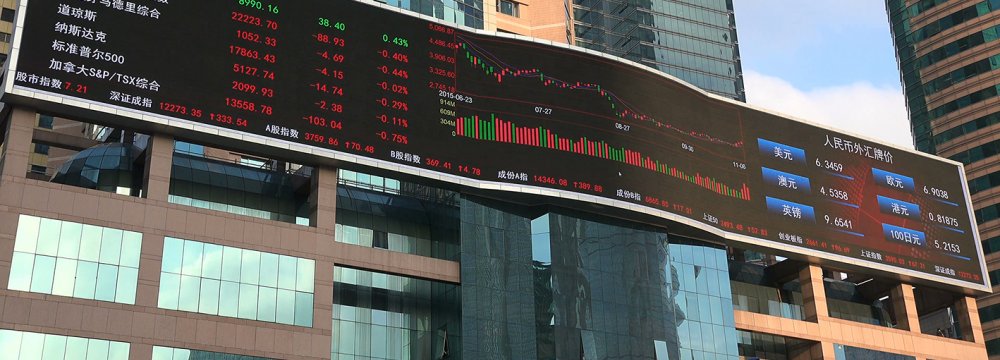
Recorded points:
(354, 78)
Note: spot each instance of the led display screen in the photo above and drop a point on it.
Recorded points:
(362, 80)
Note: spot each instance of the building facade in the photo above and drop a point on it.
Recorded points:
(167, 248)
(948, 58)
(139, 241)
(693, 40)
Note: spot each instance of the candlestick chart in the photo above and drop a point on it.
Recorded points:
(583, 113)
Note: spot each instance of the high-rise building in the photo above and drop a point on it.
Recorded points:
(694, 40)
(949, 58)
(332, 179)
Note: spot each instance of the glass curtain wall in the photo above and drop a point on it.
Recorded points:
(544, 284)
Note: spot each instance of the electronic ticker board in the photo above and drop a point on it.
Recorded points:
(406, 93)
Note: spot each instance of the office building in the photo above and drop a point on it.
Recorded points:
(694, 40)
(948, 57)
(519, 209)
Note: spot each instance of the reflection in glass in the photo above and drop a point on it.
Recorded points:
(173, 251)
(98, 350)
(167, 353)
(169, 290)
(69, 240)
(303, 308)
(75, 345)
(383, 316)
(209, 299)
(48, 237)
(189, 294)
(250, 271)
(191, 259)
(111, 246)
(125, 289)
(229, 299)
(27, 233)
(269, 269)
(42, 275)
(304, 276)
(565, 285)
(240, 292)
(117, 351)
(248, 302)
(90, 243)
(86, 280)
(20, 271)
(107, 280)
(55, 347)
(60, 258)
(30, 345)
(65, 277)
(411, 218)
(267, 304)
(287, 268)
(131, 246)
(231, 260)
(212, 262)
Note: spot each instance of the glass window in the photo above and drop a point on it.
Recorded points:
(956, 47)
(29, 345)
(251, 186)
(993, 347)
(233, 282)
(991, 245)
(508, 7)
(844, 352)
(168, 353)
(7, 15)
(363, 206)
(383, 316)
(45, 121)
(71, 259)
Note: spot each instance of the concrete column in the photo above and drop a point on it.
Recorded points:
(819, 351)
(324, 198)
(147, 290)
(904, 308)
(813, 293)
(159, 161)
(17, 142)
(967, 314)
(139, 351)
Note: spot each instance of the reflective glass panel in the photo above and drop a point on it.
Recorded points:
(61, 258)
(254, 285)
(23, 345)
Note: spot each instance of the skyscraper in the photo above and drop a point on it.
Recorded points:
(694, 40)
(948, 57)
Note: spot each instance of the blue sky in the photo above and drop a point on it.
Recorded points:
(830, 62)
